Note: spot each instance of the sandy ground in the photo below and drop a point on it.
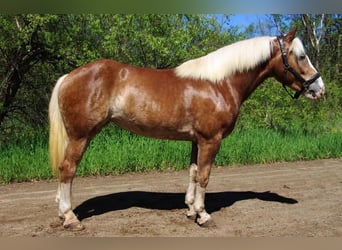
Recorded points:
(281, 199)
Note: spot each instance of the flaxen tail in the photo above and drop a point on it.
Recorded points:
(58, 137)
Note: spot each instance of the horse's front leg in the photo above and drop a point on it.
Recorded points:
(190, 192)
(206, 156)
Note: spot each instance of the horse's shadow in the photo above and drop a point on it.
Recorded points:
(168, 201)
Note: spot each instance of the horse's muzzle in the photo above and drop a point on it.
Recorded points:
(315, 90)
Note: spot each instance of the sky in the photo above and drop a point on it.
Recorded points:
(244, 20)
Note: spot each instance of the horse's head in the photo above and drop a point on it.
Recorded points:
(292, 67)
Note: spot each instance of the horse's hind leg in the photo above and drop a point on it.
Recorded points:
(67, 170)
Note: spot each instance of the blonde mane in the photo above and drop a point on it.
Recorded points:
(237, 57)
(297, 47)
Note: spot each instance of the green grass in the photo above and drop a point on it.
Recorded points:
(263, 146)
(115, 151)
(25, 159)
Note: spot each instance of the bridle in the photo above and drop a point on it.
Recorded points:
(305, 83)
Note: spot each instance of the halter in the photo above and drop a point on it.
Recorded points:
(305, 83)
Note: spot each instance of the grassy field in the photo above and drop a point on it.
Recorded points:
(115, 151)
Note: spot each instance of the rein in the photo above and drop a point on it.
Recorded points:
(305, 83)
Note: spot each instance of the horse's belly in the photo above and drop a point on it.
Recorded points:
(152, 130)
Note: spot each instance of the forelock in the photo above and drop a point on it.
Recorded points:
(297, 47)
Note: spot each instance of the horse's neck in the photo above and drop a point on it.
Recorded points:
(244, 84)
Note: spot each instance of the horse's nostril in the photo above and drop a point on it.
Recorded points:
(312, 92)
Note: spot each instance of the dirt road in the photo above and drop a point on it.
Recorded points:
(282, 199)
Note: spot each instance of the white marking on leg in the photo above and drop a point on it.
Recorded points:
(199, 205)
(190, 193)
(199, 198)
(65, 197)
(58, 199)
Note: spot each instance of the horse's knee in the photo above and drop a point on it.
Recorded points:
(203, 180)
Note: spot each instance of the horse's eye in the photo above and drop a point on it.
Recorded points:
(302, 57)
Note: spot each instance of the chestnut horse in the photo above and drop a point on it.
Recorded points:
(198, 101)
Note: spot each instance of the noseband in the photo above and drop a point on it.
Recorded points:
(305, 83)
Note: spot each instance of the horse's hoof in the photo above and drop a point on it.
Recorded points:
(208, 224)
(74, 226)
(205, 221)
(191, 216)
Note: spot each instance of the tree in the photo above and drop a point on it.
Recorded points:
(331, 46)
(315, 28)
(322, 33)
(21, 49)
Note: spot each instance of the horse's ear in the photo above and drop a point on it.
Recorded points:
(291, 35)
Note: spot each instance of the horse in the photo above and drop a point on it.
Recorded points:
(197, 101)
